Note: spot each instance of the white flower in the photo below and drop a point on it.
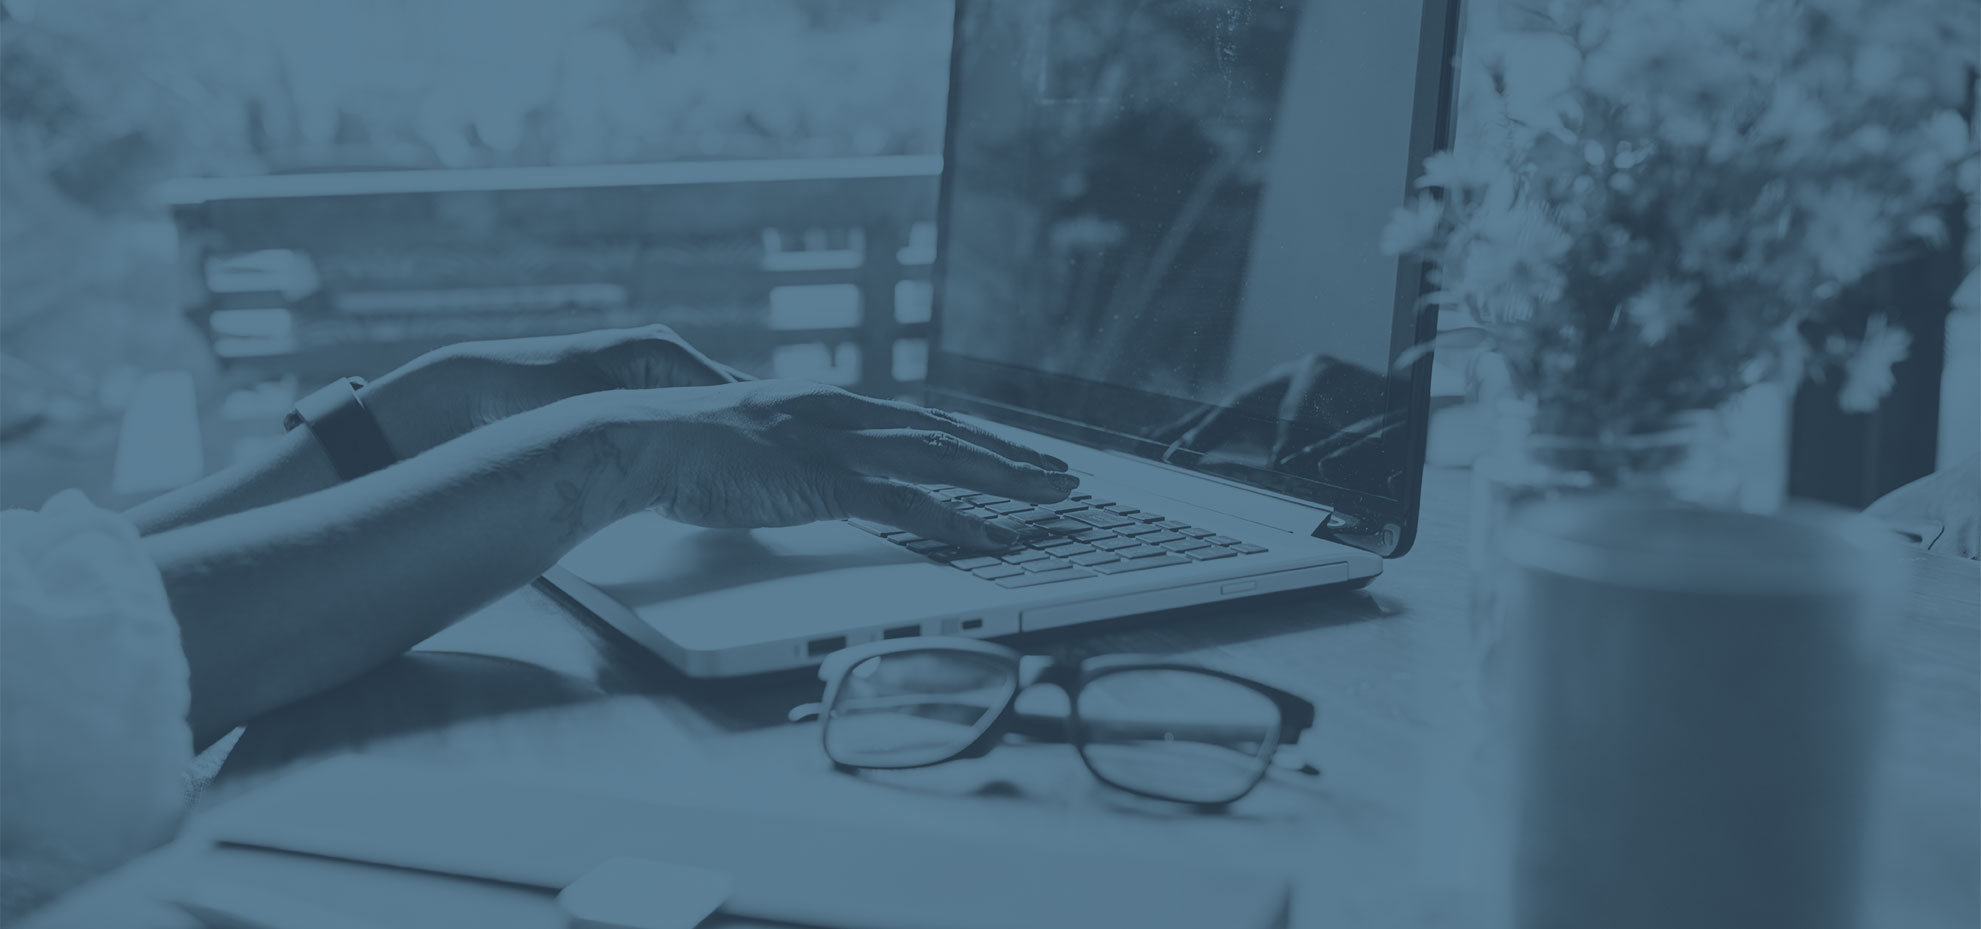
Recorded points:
(1846, 230)
(1872, 139)
(1512, 262)
(1539, 71)
(1462, 169)
(1877, 68)
(1659, 308)
(1794, 117)
(1412, 227)
(1949, 134)
(1868, 373)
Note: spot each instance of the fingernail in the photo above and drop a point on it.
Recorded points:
(1054, 464)
(1063, 480)
(1000, 535)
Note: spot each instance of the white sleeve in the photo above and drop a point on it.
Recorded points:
(94, 743)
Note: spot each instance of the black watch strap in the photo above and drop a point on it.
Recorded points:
(347, 431)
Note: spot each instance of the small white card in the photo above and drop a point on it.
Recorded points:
(639, 893)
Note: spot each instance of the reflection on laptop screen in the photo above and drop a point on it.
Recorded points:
(1170, 208)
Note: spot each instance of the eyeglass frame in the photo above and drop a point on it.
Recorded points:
(1296, 713)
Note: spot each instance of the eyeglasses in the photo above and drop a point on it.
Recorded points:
(1160, 729)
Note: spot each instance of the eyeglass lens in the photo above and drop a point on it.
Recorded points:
(915, 708)
(1184, 735)
(1173, 733)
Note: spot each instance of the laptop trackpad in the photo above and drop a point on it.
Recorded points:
(648, 558)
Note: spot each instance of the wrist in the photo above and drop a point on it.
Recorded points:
(609, 442)
(644, 425)
(412, 403)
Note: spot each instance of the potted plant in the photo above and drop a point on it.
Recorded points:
(1657, 204)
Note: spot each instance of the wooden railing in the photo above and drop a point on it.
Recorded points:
(320, 275)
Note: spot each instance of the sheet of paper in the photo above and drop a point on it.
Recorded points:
(808, 871)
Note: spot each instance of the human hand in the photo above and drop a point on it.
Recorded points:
(783, 453)
(447, 392)
(1942, 510)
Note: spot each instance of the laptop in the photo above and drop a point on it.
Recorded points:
(1158, 261)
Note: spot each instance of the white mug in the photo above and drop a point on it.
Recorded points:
(1695, 702)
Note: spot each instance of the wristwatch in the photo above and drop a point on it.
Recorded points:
(349, 434)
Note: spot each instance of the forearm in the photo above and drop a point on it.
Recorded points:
(287, 600)
(296, 464)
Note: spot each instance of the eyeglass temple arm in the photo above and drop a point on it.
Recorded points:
(1044, 727)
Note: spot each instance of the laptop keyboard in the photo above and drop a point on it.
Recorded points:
(1082, 536)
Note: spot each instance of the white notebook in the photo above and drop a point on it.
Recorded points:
(781, 868)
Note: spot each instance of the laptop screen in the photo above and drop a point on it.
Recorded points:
(1160, 235)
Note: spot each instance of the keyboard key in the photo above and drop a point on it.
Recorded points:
(1196, 533)
(998, 570)
(1094, 558)
(1210, 552)
(1142, 551)
(984, 498)
(925, 545)
(974, 562)
(1065, 525)
(1035, 515)
(1186, 545)
(1026, 531)
(1160, 536)
(1049, 577)
(1137, 530)
(1092, 535)
(868, 525)
(1079, 495)
(1222, 540)
(1123, 510)
(1066, 550)
(949, 555)
(1141, 564)
(1009, 506)
(1020, 557)
(1113, 542)
(1093, 500)
(1149, 517)
(1066, 506)
(1173, 525)
(1247, 548)
(1049, 564)
(1053, 542)
(1101, 519)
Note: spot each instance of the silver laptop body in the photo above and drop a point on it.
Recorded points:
(1160, 266)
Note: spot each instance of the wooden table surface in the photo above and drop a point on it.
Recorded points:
(531, 689)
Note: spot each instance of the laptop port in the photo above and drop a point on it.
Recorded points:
(972, 624)
(831, 643)
(901, 632)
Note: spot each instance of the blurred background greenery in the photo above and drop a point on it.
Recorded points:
(102, 100)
